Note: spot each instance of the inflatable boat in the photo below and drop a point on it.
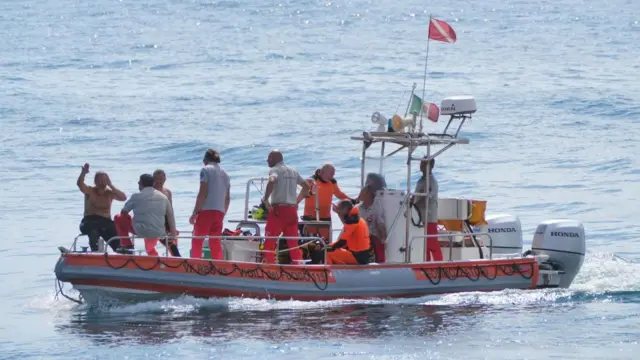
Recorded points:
(482, 252)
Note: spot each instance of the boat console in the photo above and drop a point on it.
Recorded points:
(465, 231)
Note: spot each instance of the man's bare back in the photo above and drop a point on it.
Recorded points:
(167, 193)
(159, 178)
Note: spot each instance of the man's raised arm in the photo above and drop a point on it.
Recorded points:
(117, 194)
(80, 182)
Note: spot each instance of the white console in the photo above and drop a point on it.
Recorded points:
(241, 250)
(396, 222)
(453, 209)
(448, 209)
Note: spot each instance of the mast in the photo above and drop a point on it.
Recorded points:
(411, 141)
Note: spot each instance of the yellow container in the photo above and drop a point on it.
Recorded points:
(478, 208)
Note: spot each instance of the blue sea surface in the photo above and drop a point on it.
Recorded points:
(131, 86)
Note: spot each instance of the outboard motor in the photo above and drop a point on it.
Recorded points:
(506, 234)
(563, 241)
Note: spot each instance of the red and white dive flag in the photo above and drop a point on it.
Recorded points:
(441, 31)
(431, 110)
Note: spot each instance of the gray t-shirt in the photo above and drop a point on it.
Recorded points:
(150, 207)
(285, 190)
(432, 216)
(373, 215)
(218, 184)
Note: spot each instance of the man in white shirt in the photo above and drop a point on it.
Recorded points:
(212, 204)
(372, 212)
(150, 207)
(282, 216)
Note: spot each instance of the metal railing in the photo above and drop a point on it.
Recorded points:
(223, 240)
(261, 180)
(451, 237)
(308, 240)
(248, 193)
(102, 245)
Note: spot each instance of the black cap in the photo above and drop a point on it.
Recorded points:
(345, 204)
(146, 180)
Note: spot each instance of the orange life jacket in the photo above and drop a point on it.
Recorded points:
(326, 191)
(355, 233)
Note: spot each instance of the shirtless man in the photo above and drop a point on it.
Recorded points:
(159, 178)
(97, 221)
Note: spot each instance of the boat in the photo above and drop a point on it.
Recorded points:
(482, 251)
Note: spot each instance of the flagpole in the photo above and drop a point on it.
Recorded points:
(400, 102)
(426, 61)
(413, 89)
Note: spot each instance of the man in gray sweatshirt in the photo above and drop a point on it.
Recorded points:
(150, 207)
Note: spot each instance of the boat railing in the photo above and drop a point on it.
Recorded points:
(255, 225)
(252, 182)
(258, 184)
(224, 238)
(451, 236)
(102, 245)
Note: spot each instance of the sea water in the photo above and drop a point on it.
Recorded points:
(131, 86)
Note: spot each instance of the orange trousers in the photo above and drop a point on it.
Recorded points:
(282, 219)
(208, 222)
(433, 246)
(341, 257)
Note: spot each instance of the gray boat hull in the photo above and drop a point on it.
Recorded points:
(142, 278)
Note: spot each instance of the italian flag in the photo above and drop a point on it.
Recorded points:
(430, 110)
